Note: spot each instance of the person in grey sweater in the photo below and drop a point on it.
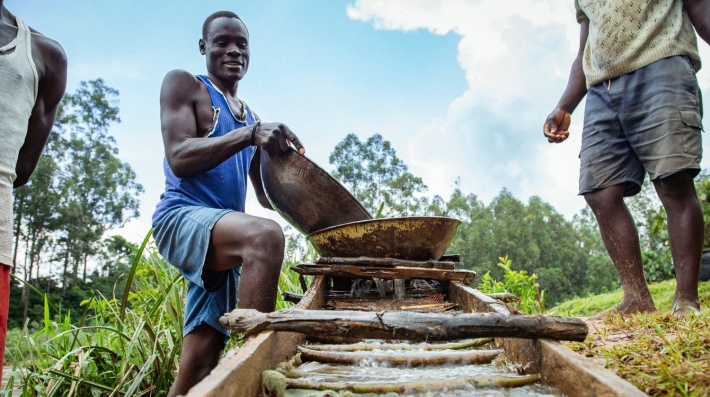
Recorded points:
(636, 64)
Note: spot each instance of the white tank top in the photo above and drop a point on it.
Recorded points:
(18, 93)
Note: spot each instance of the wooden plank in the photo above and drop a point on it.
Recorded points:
(558, 365)
(388, 262)
(239, 373)
(406, 325)
(465, 276)
(567, 370)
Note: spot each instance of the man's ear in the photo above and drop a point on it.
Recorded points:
(202, 45)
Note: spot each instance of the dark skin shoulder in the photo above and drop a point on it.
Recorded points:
(51, 64)
(186, 116)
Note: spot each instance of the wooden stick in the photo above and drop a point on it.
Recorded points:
(386, 262)
(292, 297)
(505, 297)
(465, 276)
(441, 306)
(402, 346)
(409, 359)
(302, 281)
(406, 325)
(422, 386)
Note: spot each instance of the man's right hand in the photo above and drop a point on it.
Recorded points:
(556, 126)
(274, 138)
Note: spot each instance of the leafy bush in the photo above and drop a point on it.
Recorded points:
(518, 283)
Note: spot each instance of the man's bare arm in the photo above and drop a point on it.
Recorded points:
(557, 123)
(699, 13)
(255, 176)
(50, 92)
(187, 152)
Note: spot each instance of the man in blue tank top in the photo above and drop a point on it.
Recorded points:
(212, 141)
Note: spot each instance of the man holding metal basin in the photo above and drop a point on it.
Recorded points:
(212, 142)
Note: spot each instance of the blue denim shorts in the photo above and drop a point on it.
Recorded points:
(183, 237)
(647, 121)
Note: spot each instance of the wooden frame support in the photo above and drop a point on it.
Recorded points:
(396, 272)
(556, 363)
(236, 373)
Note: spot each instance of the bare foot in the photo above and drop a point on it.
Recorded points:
(684, 308)
(625, 309)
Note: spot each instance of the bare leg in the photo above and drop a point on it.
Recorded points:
(201, 350)
(258, 245)
(685, 232)
(237, 239)
(622, 243)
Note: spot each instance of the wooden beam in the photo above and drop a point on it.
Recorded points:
(407, 273)
(413, 359)
(555, 362)
(239, 372)
(385, 262)
(406, 325)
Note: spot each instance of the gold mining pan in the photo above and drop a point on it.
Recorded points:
(414, 238)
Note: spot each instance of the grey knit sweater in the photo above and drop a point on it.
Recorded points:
(626, 35)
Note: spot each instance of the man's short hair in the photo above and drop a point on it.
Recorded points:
(218, 14)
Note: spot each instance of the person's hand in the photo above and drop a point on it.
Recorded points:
(556, 126)
(274, 138)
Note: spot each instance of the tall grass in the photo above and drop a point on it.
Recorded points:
(124, 345)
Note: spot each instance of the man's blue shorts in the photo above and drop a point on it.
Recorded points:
(183, 237)
(645, 122)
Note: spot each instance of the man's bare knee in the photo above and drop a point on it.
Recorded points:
(677, 187)
(266, 242)
(606, 198)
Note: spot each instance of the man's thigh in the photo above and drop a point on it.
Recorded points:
(661, 111)
(606, 157)
(237, 236)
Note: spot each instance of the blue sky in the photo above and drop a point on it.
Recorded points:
(461, 88)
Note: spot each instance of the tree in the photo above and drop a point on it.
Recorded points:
(35, 206)
(99, 190)
(375, 175)
(79, 190)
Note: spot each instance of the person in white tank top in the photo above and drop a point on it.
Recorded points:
(33, 75)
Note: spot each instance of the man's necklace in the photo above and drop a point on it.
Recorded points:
(243, 117)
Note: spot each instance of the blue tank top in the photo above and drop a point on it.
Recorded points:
(223, 187)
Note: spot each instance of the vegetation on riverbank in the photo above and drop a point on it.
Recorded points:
(659, 354)
(127, 344)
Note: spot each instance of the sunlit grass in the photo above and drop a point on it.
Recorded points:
(661, 355)
(128, 345)
(662, 293)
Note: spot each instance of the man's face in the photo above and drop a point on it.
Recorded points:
(226, 49)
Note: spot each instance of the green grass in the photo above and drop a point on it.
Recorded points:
(662, 293)
(659, 354)
(128, 345)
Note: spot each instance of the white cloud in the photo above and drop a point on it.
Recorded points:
(516, 57)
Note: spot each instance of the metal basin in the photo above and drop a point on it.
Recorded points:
(306, 195)
(414, 238)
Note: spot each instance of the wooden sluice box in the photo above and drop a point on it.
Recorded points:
(343, 306)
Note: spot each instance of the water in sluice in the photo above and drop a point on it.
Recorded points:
(369, 372)
(421, 295)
